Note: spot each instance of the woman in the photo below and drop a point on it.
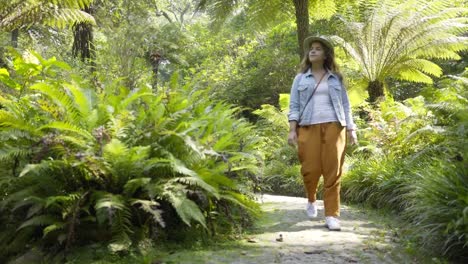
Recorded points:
(319, 119)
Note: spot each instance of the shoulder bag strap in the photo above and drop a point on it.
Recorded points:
(310, 97)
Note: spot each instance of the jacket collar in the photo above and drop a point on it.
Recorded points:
(308, 73)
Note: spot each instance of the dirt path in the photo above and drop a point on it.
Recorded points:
(304, 240)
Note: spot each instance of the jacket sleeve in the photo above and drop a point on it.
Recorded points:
(350, 125)
(294, 105)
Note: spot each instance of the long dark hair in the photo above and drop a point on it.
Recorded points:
(329, 62)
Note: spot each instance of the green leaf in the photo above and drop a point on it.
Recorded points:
(187, 209)
(67, 127)
(53, 227)
(151, 208)
(5, 78)
(39, 220)
(132, 185)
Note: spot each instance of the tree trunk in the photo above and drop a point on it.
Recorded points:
(14, 38)
(375, 90)
(83, 45)
(302, 22)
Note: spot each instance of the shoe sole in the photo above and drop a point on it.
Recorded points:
(332, 229)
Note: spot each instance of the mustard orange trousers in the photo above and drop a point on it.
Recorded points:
(321, 151)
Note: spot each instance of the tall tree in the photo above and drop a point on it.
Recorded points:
(302, 22)
(397, 40)
(266, 11)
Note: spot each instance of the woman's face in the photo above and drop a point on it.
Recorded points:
(316, 53)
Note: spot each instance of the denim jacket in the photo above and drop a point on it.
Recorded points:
(301, 90)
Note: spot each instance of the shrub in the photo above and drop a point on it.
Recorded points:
(82, 166)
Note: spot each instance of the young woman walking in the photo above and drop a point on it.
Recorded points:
(319, 119)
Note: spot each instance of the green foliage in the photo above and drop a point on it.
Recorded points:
(281, 175)
(15, 14)
(412, 159)
(261, 14)
(80, 166)
(245, 69)
(439, 208)
(397, 39)
(137, 38)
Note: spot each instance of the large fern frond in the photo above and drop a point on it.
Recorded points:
(67, 128)
(151, 208)
(8, 152)
(185, 208)
(17, 13)
(113, 210)
(40, 220)
(64, 103)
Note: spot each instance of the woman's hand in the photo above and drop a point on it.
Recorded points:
(292, 138)
(352, 137)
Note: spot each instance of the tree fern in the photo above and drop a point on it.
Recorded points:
(17, 13)
(397, 39)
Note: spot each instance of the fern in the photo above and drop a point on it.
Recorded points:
(150, 207)
(40, 220)
(96, 165)
(68, 127)
(185, 208)
(397, 39)
(61, 99)
(16, 13)
(111, 209)
(134, 184)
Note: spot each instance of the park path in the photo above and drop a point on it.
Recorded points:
(304, 240)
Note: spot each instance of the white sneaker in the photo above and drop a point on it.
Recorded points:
(332, 223)
(311, 210)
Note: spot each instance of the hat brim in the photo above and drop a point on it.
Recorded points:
(308, 41)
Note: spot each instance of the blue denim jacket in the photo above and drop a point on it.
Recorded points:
(301, 90)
